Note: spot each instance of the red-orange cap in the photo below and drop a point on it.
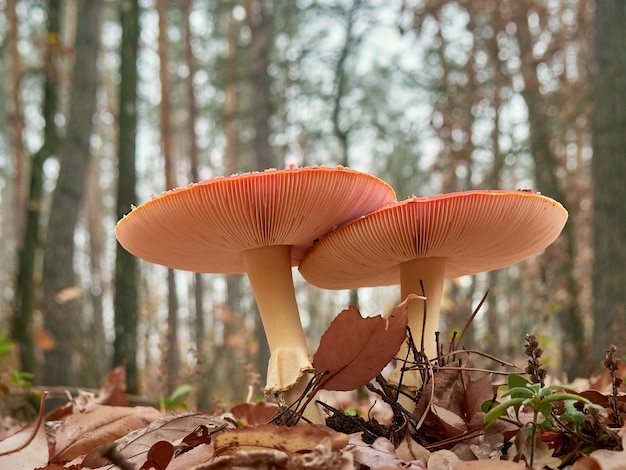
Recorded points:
(476, 231)
(205, 226)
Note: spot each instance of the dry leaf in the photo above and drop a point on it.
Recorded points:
(113, 389)
(381, 454)
(99, 424)
(609, 459)
(252, 414)
(322, 456)
(174, 429)
(409, 450)
(159, 456)
(442, 460)
(354, 350)
(488, 465)
(27, 448)
(586, 463)
(301, 438)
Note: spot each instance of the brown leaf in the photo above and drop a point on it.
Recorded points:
(27, 448)
(354, 350)
(254, 413)
(442, 460)
(453, 424)
(159, 456)
(301, 438)
(174, 429)
(99, 424)
(409, 450)
(381, 454)
(113, 389)
(488, 465)
(609, 459)
(322, 456)
(586, 463)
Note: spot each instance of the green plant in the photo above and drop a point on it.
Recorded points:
(9, 376)
(553, 408)
(175, 401)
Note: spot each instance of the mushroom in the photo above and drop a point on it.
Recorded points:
(261, 224)
(429, 239)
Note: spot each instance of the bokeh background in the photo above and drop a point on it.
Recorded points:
(107, 102)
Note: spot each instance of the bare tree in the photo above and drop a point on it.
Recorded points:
(172, 354)
(609, 168)
(63, 315)
(126, 297)
(30, 244)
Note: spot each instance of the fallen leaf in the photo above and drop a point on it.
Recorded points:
(112, 391)
(381, 454)
(174, 429)
(488, 465)
(442, 460)
(354, 350)
(322, 456)
(585, 462)
(27, 448)
(99, 424)
(299, 438)
(159, 456)
(254, 413)
(409, 450)
(609, 459)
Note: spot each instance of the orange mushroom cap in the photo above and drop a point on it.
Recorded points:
(475, 231)
(205, 226)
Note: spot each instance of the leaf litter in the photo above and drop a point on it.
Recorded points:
(446, 429)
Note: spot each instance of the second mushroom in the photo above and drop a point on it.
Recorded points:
(428, 239)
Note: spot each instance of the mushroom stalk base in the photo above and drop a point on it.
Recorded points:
(269, 271)
(431, 273)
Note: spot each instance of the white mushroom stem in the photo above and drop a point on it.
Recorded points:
(431, 273)
(289, 368)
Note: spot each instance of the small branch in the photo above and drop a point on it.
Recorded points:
(110, 452)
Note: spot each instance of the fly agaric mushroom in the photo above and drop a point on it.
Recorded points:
(260, 224)
(429, 239)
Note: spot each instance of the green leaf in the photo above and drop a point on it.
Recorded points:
(180, 391)
(497, 411)
(515, 380)
(519, 392)
(566, 396)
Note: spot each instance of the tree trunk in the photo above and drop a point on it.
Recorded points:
(259, 15)
(202, 352)
(126, 297)
(15, 120)
(172, 361)
(96, 339)
(63, 316)
(24, 298)
(608, 170)
(561, 269)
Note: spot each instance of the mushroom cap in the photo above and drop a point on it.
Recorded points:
(476, 231)
(206, 226)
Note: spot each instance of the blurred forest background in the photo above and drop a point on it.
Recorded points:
(109, 102)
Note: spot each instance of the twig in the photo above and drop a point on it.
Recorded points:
(471, 318)
(36, 427)
(110, 452)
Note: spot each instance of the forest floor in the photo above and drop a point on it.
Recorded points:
(462, 417)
